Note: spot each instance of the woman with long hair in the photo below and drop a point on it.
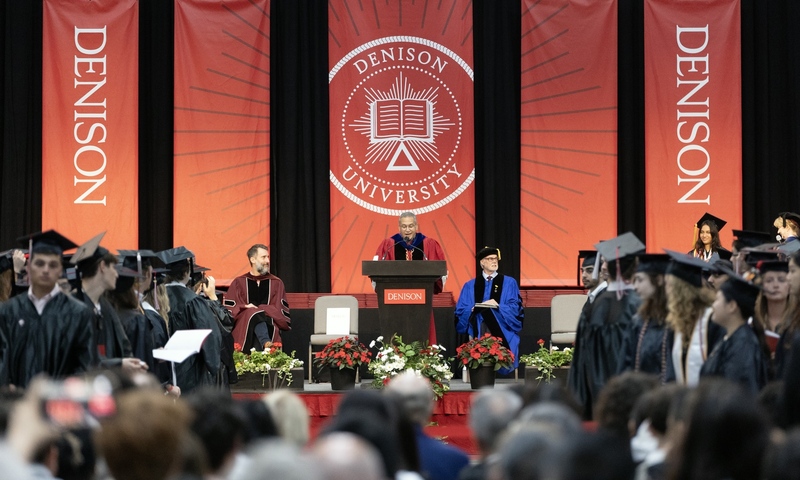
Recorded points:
(707, 247)
(792, 323)
(688, 315)
(774, 303)
(648, 347)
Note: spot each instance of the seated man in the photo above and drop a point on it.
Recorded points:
(257, 301)
(503, 317)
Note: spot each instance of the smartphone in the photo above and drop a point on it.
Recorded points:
(75, 401)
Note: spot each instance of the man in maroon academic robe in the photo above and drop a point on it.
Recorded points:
(409, 244)
(257, 301)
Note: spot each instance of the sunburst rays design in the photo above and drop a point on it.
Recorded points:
(423, 149)
(354, 236)
(568, 137)
(222, 129)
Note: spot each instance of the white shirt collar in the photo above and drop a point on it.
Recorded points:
(486, 277)
(40, 303)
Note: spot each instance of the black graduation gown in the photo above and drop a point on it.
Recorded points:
(598, 345)
(59, 342)
(108, 332)
(139, 332)
(738, 358)
(655, 350)
(190, 311)
(160, 337)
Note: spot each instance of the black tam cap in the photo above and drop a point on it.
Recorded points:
(139, 259)
(653, 263)
(707, 217)
(486, 251)
(742, 292)
(49, 241)
(89, 253)
(756, 256)
(620, 247)
(687, 268)
(749, 238)
(790, 216)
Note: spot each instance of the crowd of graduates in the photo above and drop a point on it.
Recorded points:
(683, 368)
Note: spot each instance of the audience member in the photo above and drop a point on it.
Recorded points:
(345, 456)
(490, 413)
(290, 415)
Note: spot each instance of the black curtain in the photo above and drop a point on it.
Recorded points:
(497, 28)
(156, 87)
(299, 137)
(299, 181)
(21, 174)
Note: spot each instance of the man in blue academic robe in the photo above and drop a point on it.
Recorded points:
(502, 314)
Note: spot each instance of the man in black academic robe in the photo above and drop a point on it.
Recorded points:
(44, 330)
(187, 310)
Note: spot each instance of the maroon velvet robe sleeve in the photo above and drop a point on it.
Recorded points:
(386, 250)
(433, 251)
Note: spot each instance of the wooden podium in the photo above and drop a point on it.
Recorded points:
(405, 295)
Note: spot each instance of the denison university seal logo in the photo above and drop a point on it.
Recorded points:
(401, 126)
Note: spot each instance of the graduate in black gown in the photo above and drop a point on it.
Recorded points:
(648, 346)
(44, 330)
(97, 268)
(190, 311)
(598, 344)
(739, 356)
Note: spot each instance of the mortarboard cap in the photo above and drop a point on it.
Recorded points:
(652, 263)
(6, 260)
(741, 291)
(175, 255)
(586, 258)
(707, 217)
(756, 256)
(139, 259)
(687, 268)
(620, 247)
(749, 238)
(89, 253)
(50, 242)
(720, 265)
(486, 251)
(765, 266)
(724, 254)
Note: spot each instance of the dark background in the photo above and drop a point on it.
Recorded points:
(299, 134)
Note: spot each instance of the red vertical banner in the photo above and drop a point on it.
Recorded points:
(569, 134)
(90, 84)
(693, 118)
(401, 116)
(222, 78)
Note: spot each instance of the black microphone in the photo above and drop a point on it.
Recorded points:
(390, 249)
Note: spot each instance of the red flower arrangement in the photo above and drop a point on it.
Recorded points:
(343, 352)
(485, 349)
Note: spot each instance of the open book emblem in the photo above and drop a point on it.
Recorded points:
(402, 125)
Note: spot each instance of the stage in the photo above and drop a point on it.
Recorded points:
(449, 421)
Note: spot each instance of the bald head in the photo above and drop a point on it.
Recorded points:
(344, 456)
(415, 394)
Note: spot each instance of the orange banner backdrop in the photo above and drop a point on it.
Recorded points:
(569, 135)
(693, 118)
(401, 113)
(222, 77)
(90, 76)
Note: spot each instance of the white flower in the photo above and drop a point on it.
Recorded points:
(372, 344)
(380, 339)
(553, 348)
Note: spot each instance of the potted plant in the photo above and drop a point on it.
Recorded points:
(343, 355)
(396, 357)
(484, 356)
(270, 368)
(546, 361)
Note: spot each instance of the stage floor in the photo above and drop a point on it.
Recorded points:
(456, 385)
